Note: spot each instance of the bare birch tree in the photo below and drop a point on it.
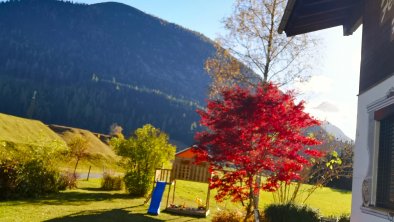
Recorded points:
(253, 40)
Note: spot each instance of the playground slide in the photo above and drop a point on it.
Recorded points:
(154, 207)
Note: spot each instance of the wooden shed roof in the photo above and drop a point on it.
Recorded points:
(302, 16)
(186, 153)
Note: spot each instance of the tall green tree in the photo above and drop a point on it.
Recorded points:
(147, 149)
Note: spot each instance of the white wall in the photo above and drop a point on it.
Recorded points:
(361, 154)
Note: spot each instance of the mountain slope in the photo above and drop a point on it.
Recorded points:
(95, 145)
(21, 135)
(335, 131)
(23, 131)
(89, 66)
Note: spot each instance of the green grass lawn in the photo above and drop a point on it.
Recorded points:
(89, 203)
(326, 200)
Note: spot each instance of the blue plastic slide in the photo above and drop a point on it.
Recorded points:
(157, 195)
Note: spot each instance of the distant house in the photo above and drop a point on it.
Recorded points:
(373, 176)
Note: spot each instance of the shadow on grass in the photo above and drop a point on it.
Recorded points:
(72, 198)
(93, 189)
(340, 191)
(105, 215)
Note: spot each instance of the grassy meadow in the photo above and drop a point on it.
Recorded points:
(89, 203)
(27, 134)
(19, 130)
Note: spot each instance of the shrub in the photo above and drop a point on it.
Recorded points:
(344, 218)
(67, 180)
(329, 219)
(110, 182)
(290, 212)
(136, 184)
(228, 216)
(8, 178)
(26, 179)
(35, 179)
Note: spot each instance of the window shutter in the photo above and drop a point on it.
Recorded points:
(385, 182)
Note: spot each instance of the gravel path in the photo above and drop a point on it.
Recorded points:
(96, 175)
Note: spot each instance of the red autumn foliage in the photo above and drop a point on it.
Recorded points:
(252, 132)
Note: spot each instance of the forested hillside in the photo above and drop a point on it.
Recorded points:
(89, 66)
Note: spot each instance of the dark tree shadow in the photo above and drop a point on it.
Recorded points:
(73, 198)
(96, 189)
(76, 198)
(340, 191)
(79, 197)
(105, 216)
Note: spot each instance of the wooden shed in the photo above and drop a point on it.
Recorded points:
(184, 168)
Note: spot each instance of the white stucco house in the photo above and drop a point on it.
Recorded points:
(373, 175)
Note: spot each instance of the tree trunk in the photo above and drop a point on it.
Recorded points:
(248, 209)
(270, 42)
(251, 205)
(75, 168)
(256, 200)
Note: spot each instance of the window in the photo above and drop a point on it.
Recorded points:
(385, 176)
(378, 184)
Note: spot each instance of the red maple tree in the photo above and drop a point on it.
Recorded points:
(251, 133)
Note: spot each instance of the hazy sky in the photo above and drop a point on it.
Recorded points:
(331, 94)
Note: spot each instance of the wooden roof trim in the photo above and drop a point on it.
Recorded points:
(303, 16)
(329, 7)
(355, 20)
(286, 15)
(306, 20)
(182, 151)
(312, 28)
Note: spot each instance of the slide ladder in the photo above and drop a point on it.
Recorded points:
(157, 195)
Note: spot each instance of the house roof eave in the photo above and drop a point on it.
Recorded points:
(286, 16)
(303, 16)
